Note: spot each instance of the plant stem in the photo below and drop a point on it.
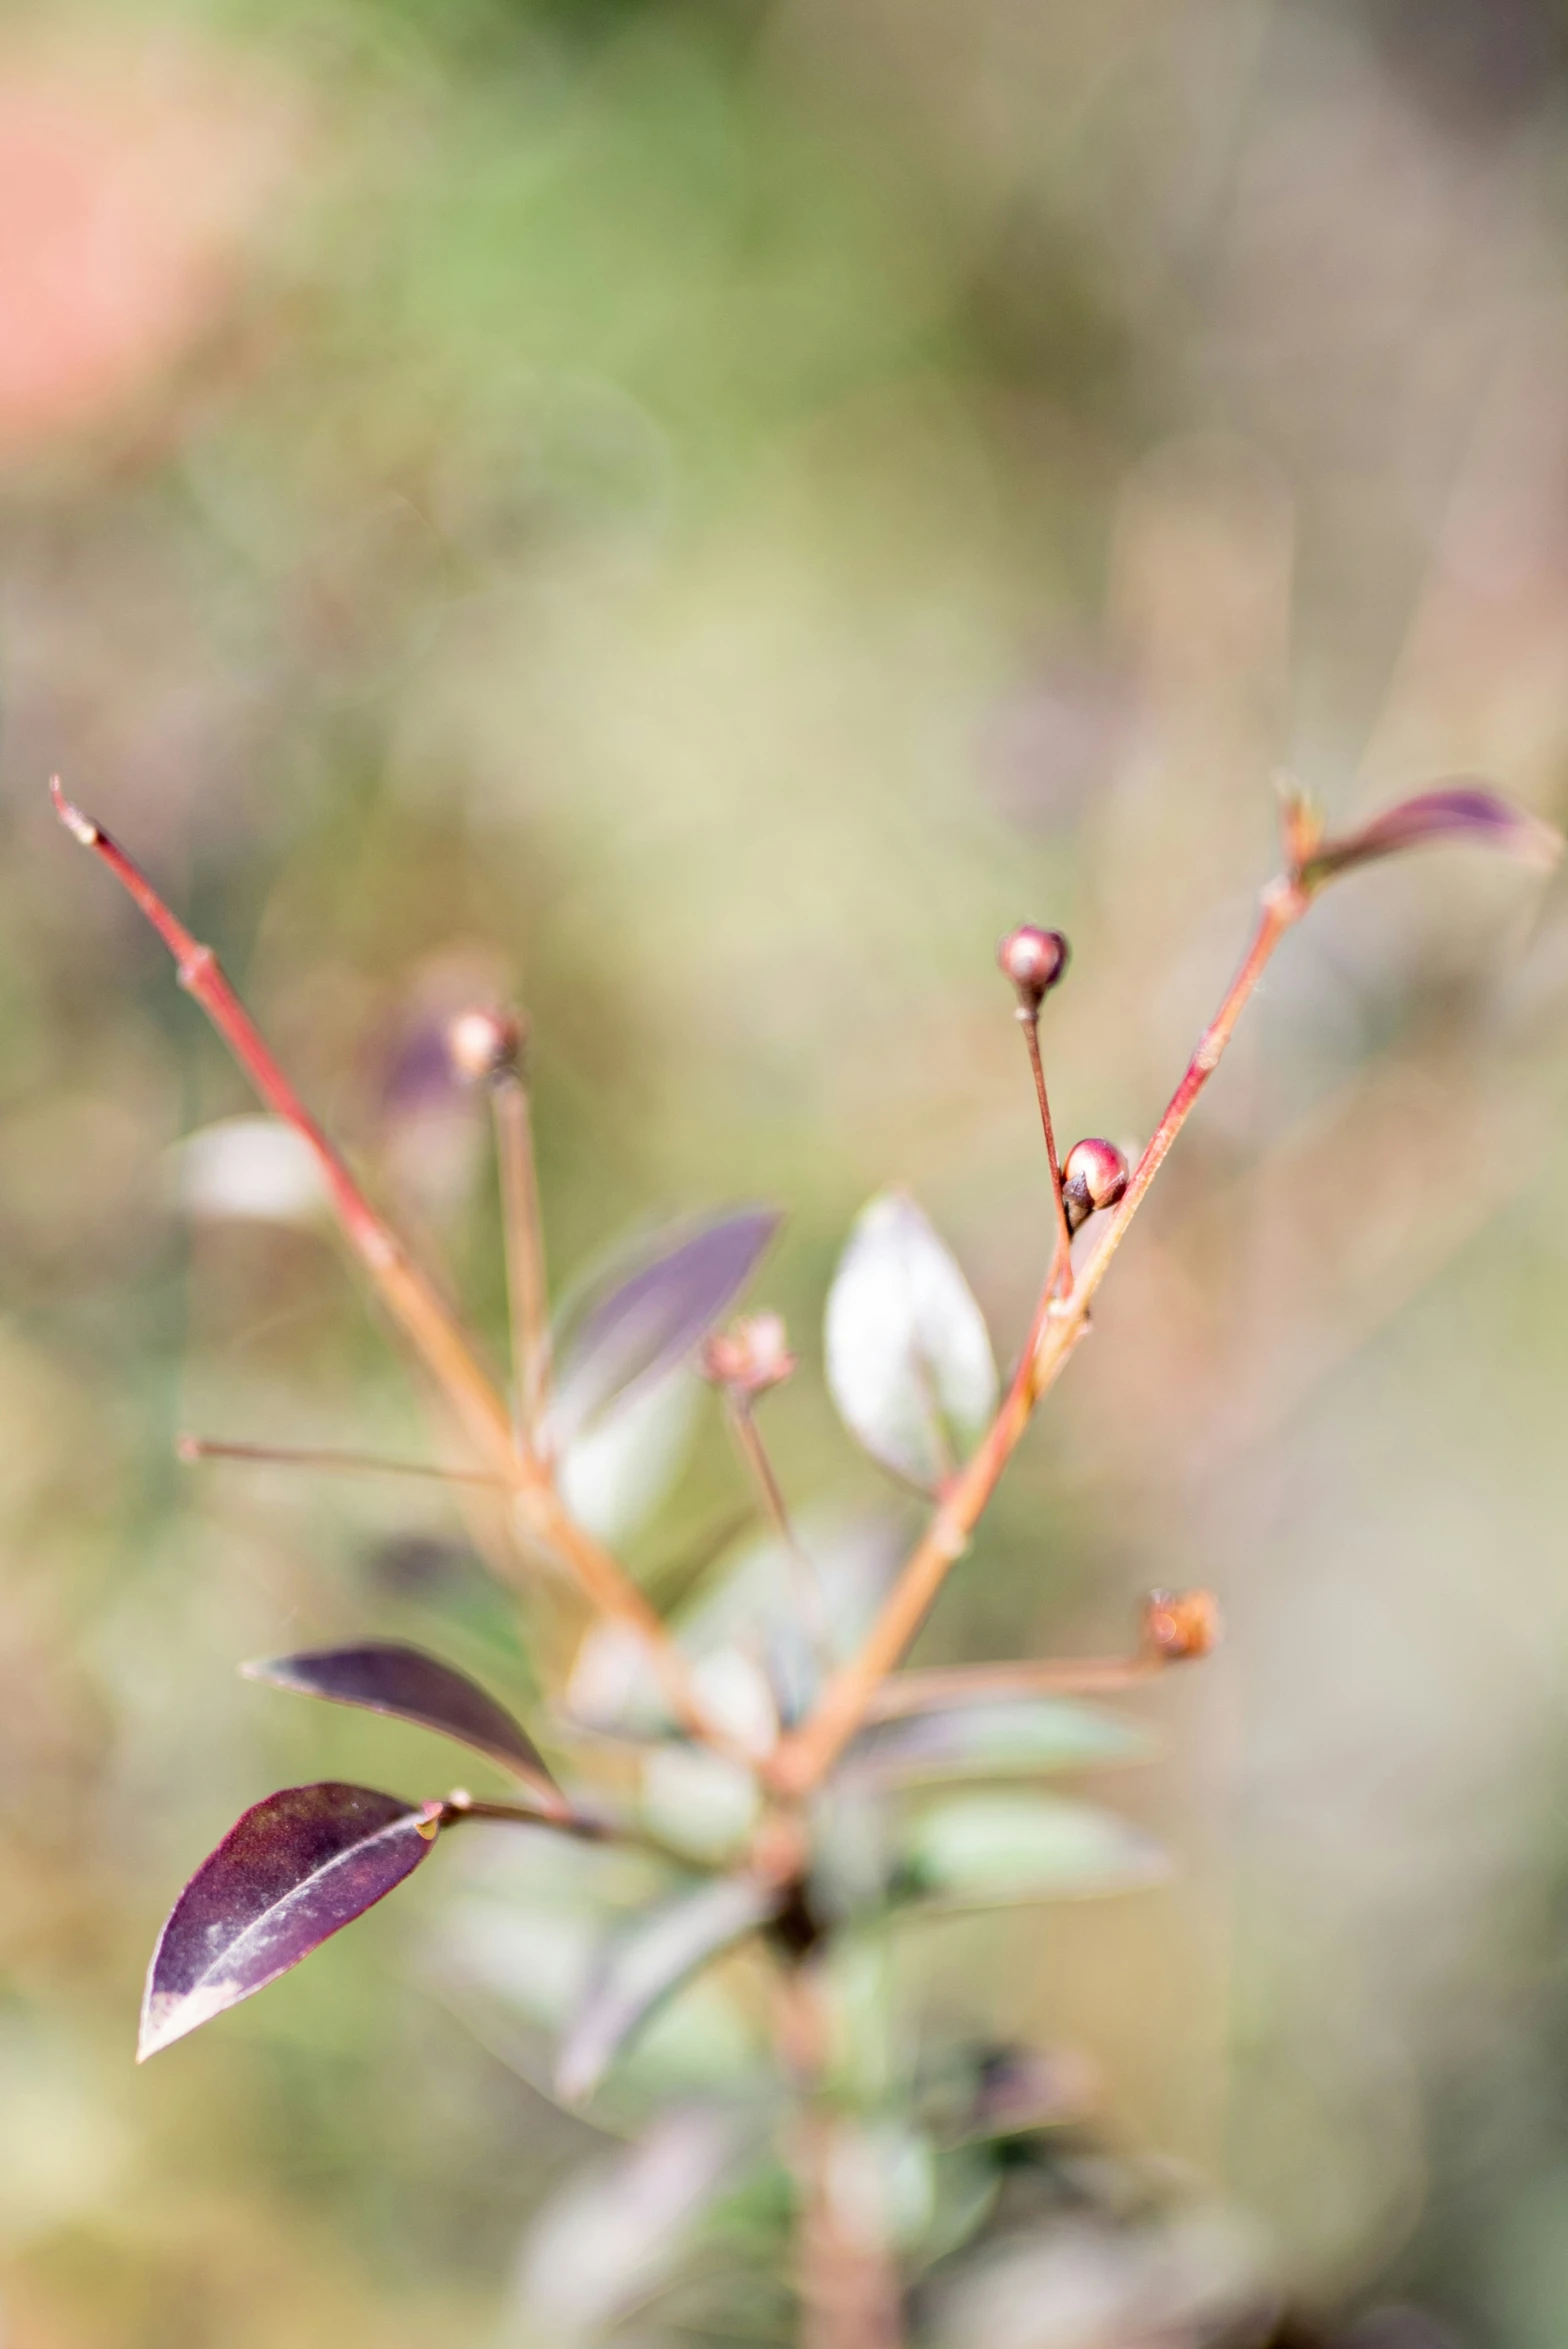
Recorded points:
(522, 1230)
(191, 1448)
(409, 1294)
(805, 1580)
(845, 2274)
(801, 1759)
(559, 1815)
(904, 1693)
(1060, 1275)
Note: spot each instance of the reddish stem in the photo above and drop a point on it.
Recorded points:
(801, 1760)
(1059, 1276)
(409, 1294)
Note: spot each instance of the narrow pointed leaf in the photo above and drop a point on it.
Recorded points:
(1463, 811)
(909, 1360)
(976, 1851)
(384, 1676)
(646, 1964)
(1011, 1738)
(652, 1318)
(292, 1872)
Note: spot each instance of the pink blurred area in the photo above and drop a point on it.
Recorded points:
(132, 183)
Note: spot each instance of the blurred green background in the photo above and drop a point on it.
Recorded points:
(700, 516)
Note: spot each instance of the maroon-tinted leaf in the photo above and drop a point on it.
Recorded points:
(386, 1677)
(289, 1874)
(652, 1318)
(660, 1952)
(1463, 810)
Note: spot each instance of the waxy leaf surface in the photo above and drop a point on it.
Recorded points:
(909, 1360)
(651, 1319)
(1459, 811)
(1011, 1737)
(649, 1961)
(976, 1851)
(294, 1870)
(384, 1676)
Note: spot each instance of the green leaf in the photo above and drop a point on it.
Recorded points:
(647, 1963)
(980, 1850)
(1011, 1738)
(909, 1360)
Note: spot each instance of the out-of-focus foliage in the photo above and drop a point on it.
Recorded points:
(701, 515)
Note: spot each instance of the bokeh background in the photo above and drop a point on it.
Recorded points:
(700, 513)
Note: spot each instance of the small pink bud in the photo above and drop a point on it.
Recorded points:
(485, 1044)
(1180, 1625)
(751, 1356)
(1034, 960)
(1094, 1175)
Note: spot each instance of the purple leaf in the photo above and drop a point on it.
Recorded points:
(1462, 810)
(653, 1318)
(386, 1677)
(662, 1949)
(293, 1871)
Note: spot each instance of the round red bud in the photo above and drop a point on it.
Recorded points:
(1094, 1175)
(1034, 960)
(485, 1044)
(1180, 1625)
(751, 1356)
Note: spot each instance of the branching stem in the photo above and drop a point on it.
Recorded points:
(802, 1759)
(410, 1296)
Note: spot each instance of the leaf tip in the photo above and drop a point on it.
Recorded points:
(1464, 810)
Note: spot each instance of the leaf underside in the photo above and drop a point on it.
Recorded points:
(909, 1361)
(649, 1321)
(293, 1871)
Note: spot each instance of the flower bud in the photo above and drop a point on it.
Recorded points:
(1034, 960)
(484, 1045)
(751, 1356)
(1180, 1625)
(1094, 1175)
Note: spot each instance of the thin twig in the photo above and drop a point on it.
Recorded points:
(191, 1448)
(408, 1293)
(810, 1599)
(904, 1693)
(1060, 1273)
(522, 1230)
(803, 1757)
(585, 1826)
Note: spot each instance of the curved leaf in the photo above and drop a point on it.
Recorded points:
(652, 1318)
(980, 1850)
(646, 1964)
(614, 2233)
(1012, 1737)
(384, 1676)
(1463, 810)
(293, 1871)
(909, 1360)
